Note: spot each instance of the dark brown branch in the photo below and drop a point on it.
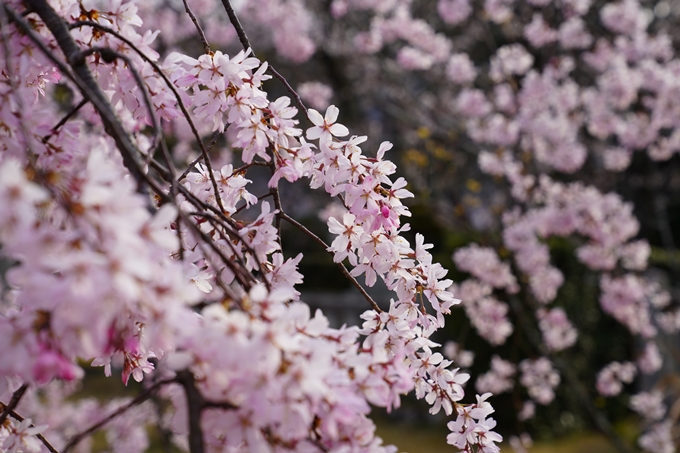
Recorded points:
(16, 397)
(180, 103)
(207, 404)
(245, 42)
(40, 437)
(277, 201)
(344, 270)
(206, 46)
(139, 399)
(194, 407)
(237, 25)
(83, 78)
(63, 121)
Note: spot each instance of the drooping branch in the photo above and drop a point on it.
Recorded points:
(342, 267)
(139, 399)
(83, 79)
(109, 55)
(204, 40)
(13, 402)
(40, 437)
(63, 121)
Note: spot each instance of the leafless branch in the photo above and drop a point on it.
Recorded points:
(16, 397)
(83, 79)
(63, 121)
(40, 437)
(109, 55)
(139, 399)
(344, 270)
(206, 46)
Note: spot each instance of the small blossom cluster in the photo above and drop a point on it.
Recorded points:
(453, 351)
(611, 378)
(558, 332)
(649, 405)
(483, 264)
(473, 428)
(540, 379)
(487, 314)
(498, 379)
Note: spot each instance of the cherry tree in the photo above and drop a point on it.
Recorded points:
(126, 254)
(551, 102)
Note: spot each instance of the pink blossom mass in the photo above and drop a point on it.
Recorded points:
(157, 162)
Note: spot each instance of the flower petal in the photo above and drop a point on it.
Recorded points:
(339, 130)
(332, 114)
(315, 117)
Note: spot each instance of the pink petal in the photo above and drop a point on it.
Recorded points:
(332, 114)
(315, 117)
(339, 130)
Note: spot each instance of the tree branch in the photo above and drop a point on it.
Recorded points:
(206, 46)
(40, 437)
(344, 270)
(195, 405)
(83, 78)
(139, 399)
(63, 121)
(13, 402)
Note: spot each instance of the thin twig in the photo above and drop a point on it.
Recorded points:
(170, 85)
(206, 46)
(344, 270)
(63, 121)
(16, 397)
(83, 78)
(282, 79)
(108, 55)
(40, 437)
(139, 399)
